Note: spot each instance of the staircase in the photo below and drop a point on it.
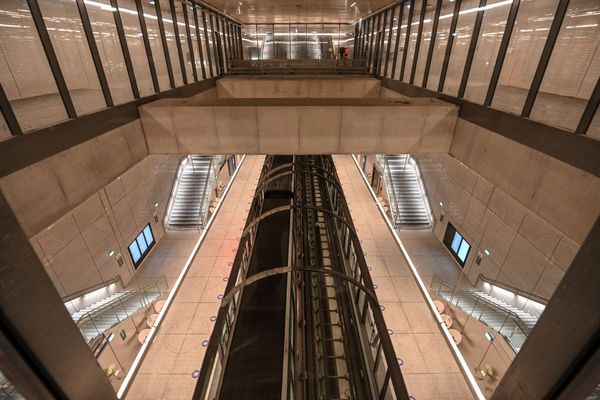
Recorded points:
(191, 193)
(106, 313)
(406, 192)
(512, 323)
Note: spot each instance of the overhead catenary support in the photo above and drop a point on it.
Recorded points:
(40, 26)
(125, 49)
(472, 47)
(163, 38)
(147, 47)
(536, 83)
(449, 44)
(436, 19)
(89, 35)
(189, 40)
(178, 41)
(418, 43)
(510, 23)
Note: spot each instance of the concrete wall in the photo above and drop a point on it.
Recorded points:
(340, 87)
(238, 126)
(75, 248)
(530, 211)
(82, 203)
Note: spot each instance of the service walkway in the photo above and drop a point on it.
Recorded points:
(177, 350)
(429, 369)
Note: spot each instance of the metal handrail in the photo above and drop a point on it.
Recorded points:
(510, 314)
(520, 292)
(129, 294)
(390, 183)
(200, 217)
(421, 183)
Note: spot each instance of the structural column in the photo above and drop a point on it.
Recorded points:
(42, 352)
(560, 358)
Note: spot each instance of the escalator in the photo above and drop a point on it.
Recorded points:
(191, 193)
(406, 192)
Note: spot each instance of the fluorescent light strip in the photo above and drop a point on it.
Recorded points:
(142, 352)
(457, 354)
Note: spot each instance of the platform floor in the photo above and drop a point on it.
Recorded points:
(177, 350)
(429, 368)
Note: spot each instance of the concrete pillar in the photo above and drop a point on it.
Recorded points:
(559, 359)
(42, 352)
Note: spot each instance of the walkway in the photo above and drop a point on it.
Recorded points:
(177, 350)
(429, 368)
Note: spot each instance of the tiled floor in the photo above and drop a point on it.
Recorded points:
(166, 372)
(429, 369)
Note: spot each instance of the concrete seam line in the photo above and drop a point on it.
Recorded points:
(475, 389)
(142, 352)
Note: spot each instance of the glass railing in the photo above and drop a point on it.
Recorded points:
(510, 326)
(93, 323)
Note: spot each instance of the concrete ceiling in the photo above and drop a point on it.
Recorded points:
(289, 11)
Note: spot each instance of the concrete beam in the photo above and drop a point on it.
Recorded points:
(298, 126)
(37, 328)
(565, 338)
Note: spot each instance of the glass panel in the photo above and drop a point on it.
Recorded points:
(281, 45)
(412, 41)
(148, 235)
(265, 41)
(197, 55)
(425, 42)
(211, 44)
(205, 37)
(460, 46)
(250, 43)
(346, 49)
(70, 45)
(331, 35)
(456, 242)
(441, 41)
(171, 42)
(135, 43)
(134, 251)
(141, 243)
(155, 43)
(394, 28)
(463, 251)
(402, 38)
(486, 52)
(107, 40)
(185, 47)
(573, 69)
(314, 45)
(298, 41)
(24, 72)
(523, 54)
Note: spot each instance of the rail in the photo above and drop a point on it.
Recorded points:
(287, 67)
(149, 293)
(514, 289)
(452, 294)
(385, 378)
